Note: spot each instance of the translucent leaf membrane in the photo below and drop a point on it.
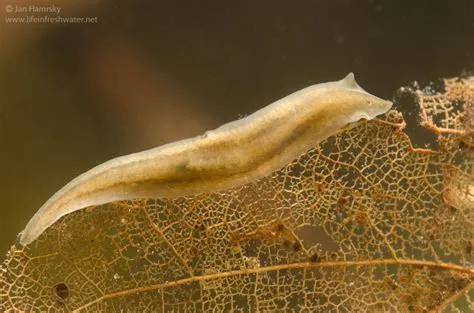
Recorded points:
(364, 222)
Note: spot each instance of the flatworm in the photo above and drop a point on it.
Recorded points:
(234, 154)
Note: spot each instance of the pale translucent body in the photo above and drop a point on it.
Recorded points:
(229, 156)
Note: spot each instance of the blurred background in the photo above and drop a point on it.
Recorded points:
(144, 73)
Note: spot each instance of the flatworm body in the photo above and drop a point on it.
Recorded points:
(232, 155)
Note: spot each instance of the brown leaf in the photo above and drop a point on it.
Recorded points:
(364, 222)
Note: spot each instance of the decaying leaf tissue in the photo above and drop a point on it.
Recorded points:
(365, 221)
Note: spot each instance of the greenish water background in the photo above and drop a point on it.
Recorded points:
(151, 72)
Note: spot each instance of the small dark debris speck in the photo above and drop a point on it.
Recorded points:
(62, 291)
(314, 258)
(200, 227)
(297, 246)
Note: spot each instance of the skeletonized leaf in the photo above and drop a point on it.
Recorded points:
(364, 222)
